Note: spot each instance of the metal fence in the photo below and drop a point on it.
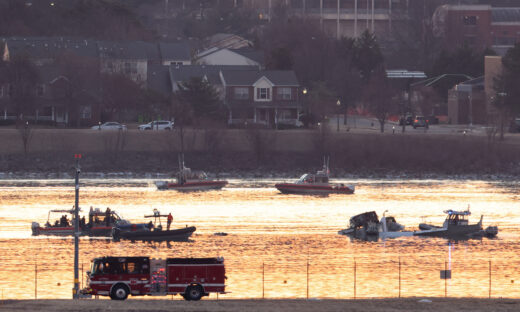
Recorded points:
(350, 279)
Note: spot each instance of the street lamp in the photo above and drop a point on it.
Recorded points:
(338, 104)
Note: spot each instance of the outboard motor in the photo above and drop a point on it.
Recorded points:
(35, 227)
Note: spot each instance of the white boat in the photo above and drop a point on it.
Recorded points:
(315, 184)
(189, 181)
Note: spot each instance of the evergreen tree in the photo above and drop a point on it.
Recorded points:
(368, 56)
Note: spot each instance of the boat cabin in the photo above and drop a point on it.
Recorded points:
(313, 179)
(457, 217)
(186, 175)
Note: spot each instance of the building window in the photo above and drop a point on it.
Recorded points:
(130, 68)
(241, 93)
(1, 91)
(11, 90)
(86, 112)
(469, 20)
(40, 90)
(263, 93)
(284, 93)
(110, 67)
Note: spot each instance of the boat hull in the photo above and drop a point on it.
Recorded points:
(191, 186)
(451, 231)
(158, 235)
(102, 231)
(292, 188)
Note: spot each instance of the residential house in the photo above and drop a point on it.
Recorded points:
(225, 56)
(174, 53)
(210, 73)
(128, 58)
(267, 97)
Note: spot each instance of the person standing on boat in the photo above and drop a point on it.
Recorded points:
(170, 219)
(107, 216)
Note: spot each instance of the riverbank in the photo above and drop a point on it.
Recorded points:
(239, 153)
(376, 305)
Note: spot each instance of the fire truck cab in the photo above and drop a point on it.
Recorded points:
(192, 278)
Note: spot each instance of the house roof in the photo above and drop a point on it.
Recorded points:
(222, 40)
(131, 50)
(255, 55)
(248, 78)
(50, 47)
(158, 78)
(174, 50)
(505, 15)
(433, 80)
(212, 72)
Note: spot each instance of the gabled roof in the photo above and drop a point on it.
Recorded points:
(432, 81)
(174, 51)
(255, 55)
(248, 78)
(212, 72)
(230, 41)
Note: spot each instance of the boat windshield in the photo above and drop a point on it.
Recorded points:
(306, 178)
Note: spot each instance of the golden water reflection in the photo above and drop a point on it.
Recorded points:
(277, 243)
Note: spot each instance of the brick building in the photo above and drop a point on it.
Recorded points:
(478, 26)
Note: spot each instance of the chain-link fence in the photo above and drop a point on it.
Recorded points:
(348, 279)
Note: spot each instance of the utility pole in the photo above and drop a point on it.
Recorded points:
(75, 291)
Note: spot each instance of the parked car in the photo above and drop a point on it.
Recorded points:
(420, 121)
(111, 125)
(157, 125)
(408, 120)
(514, 127)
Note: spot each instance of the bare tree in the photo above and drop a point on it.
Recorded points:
(26, 136)
(380, 98)
(114, 143)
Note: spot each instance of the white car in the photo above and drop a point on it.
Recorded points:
(111, 125)
(157, 125)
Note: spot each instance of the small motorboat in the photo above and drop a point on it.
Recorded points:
(152, 231)
(456, 225)
(99, 223)
(315, 184)
(189, 181)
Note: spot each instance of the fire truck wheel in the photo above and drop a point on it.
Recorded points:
(193, 293)
(119, 292)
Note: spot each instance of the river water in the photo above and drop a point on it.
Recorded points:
(278, 246)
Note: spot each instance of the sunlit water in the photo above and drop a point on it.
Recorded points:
(279, 246)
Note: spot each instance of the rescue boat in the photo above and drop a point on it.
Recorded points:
(190, 181)
(315, 184)
(152, 231)
(99, 223)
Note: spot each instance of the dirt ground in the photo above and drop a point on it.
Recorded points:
(377, 305)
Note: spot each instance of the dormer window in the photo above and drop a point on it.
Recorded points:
(263, 94)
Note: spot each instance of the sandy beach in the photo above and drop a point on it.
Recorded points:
(409, 304)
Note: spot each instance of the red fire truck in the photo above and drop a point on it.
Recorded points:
(192, 278)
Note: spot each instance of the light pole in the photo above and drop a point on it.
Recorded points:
(470, 110)
(338, 104)
(75, 292)
(307, 117)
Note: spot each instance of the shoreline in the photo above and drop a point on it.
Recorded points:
(300, 305)
(257, 175)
